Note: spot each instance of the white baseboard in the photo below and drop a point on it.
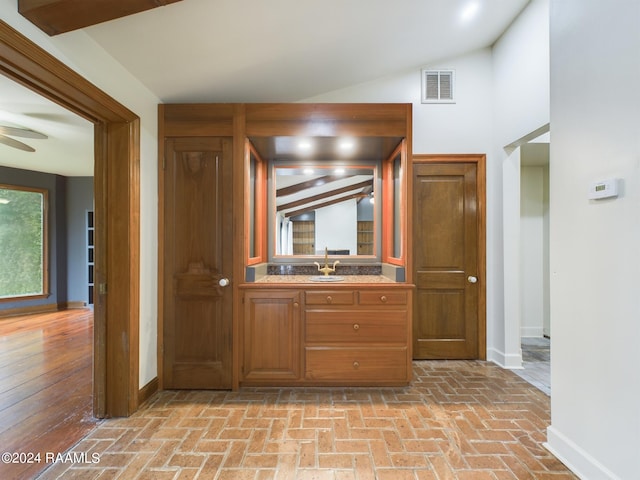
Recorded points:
(510, 361)
(536, 332)
(576, 459)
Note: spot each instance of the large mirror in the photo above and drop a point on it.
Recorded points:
(324, 194)
(324, 208)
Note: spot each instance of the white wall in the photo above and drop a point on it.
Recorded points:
(532, 241)
(82, 54)
(505, 349)
(546, 275)
(432, 123)
(521, 106)
(595, 259)
(521, 75)
(337, 227)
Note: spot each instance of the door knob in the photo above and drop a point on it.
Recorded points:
(472, 279)
(223, 282)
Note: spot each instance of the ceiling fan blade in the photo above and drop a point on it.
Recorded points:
(16, 144)
(21, 132)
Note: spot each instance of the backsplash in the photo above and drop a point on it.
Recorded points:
(294, 269)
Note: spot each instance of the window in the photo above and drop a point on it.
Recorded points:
(23, 242)
(437, 86)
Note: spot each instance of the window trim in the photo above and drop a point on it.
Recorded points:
(45, 244)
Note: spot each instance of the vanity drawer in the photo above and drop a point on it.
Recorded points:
(331, 297)
(368, 365)
(360, 326)
(382, 297)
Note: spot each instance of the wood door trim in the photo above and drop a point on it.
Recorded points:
(116, 177)
(481, 185)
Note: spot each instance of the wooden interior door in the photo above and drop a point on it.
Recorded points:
(446, 322)
(198, 261)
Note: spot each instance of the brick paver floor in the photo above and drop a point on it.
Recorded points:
(466, 420)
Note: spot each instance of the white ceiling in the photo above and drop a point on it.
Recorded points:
(265, 51)
(68, 150)
(289, 50)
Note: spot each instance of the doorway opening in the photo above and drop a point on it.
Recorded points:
(46, 364)
(526, 242)
(117, 225)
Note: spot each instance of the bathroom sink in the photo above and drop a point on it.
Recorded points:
(327, 278)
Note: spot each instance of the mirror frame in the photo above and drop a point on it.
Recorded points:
(256, 218)
(394, 213)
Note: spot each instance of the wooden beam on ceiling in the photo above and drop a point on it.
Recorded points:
(368, 184)
(315, 182)
(324, 204)
(59, 16)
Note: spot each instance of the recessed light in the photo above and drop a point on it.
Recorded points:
(307, 171)
(304, 145)
(469, 11)
(339, 171)
(346, 144)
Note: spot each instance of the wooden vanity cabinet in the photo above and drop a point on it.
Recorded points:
(327, 336)
(358, 337)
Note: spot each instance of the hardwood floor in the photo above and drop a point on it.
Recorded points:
(45, 387)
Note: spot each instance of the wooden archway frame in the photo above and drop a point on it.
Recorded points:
(117, 206)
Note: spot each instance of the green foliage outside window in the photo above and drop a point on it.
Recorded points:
(22, 255)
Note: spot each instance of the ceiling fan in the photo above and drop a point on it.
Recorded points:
(7, 132)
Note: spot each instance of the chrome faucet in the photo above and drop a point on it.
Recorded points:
(327, 269)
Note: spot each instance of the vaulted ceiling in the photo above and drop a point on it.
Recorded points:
(272, 51)
(291, 50)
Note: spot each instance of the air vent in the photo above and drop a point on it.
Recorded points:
(437, 86)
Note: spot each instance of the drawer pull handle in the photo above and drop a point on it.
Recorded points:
(329, 299)
(356, 326)
(296, 304)
(383, 299)
(356, 365)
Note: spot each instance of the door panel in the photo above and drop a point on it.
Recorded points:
(272, 335)
(446, 311)
(445, 254)
(198, 254)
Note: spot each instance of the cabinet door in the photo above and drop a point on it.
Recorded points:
(271, 347)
